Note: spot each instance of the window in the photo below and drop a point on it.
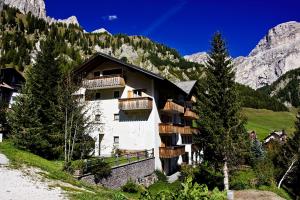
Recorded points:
(116, 94)
(97, 118)
(138, 93)
(112, 72)
(186, 139)
(96, 74)
(116, 139)
(116, 117)
(97, 96)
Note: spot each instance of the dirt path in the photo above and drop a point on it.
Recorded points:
(25, 184)
(255, 195)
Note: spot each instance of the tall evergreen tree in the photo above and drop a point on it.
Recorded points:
(34, 117)
(222, 127)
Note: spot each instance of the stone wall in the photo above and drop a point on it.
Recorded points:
(138, 171)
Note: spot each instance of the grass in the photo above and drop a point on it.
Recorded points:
(161, 186)
(54, 170)
(265, 121)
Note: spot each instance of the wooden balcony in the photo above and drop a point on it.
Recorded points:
(171, 152)
(195, 131)
(104, 82)
(138, 103)
(188, 114)
(171, 129)
(172, 107)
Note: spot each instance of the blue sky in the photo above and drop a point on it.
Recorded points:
(186, 25)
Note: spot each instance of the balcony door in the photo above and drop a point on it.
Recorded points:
(100, 141)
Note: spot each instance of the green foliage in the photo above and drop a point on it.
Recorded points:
(223, 135)
(243, 179)
(258, 99)
(257, 151)
(189, 190)
(99, 168)
(264, 170)
(130, 187)
(286, 88)
(161, 176)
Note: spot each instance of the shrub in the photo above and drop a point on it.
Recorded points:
(209, 176)
(243, 179)
(119, 196)
(161, 176)
(98, 168)
(74, 165)
(130, 187)
(264, 170)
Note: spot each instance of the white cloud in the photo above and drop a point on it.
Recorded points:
(112, 17)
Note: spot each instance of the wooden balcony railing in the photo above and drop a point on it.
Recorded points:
(104, 82)
(138, 103)
(171, 152)
(170, 106)
(171, 128)
(195, 131)
(190, 114)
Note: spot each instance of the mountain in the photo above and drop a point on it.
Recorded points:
(275, 54)
(200, 57)
(38, 9)
(23, 33)
(101, 30)
(286, 88)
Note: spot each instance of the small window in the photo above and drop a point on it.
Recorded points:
(116, 117)
(97, 96)
(116, 94)
(96, 74)
(97, 118)
(116, 139)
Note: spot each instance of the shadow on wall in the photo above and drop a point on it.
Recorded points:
(141, 115)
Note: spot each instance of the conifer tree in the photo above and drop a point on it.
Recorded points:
(222, 128)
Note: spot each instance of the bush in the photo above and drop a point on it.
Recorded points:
(243, 179)
(130, 187)
(264, 170)
(98, 168)
(209, 176)
(161, 176)
(74, 165)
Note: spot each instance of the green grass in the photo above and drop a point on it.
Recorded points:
(160, 186)
(264, 121)
(54, 170)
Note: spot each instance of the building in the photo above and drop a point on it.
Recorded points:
(132, 109)
(279, 136)
(11, 82)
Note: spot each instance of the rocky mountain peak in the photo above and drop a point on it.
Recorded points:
(281, 34)
(101, 30)
(36, 7)
(200, 57)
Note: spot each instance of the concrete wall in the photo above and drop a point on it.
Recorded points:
(120, 175)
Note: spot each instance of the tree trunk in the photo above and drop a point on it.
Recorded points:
(66, 133)
(286, 173)
(73, 143)
(226, 179)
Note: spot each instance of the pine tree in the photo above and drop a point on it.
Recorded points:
(223, 132)
(34, 118)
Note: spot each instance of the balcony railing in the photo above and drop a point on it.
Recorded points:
(195, 131)
(171, 128)
(171, 152)
(104, 82)
(138, 103)
(170, 106)
(190, 114)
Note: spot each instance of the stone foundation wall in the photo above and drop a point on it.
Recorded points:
(138, 171)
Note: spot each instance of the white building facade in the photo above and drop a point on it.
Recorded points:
(131, 109)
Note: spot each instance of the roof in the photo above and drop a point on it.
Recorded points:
(186, 86)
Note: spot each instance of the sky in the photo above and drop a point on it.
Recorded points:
(186, 25)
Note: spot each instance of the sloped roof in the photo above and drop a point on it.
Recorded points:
(186, 86)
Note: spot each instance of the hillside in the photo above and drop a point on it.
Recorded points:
(264, 121)
(22, 34)
(286, 88)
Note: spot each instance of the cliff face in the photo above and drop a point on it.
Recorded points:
(38, 9)
(275, 54)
